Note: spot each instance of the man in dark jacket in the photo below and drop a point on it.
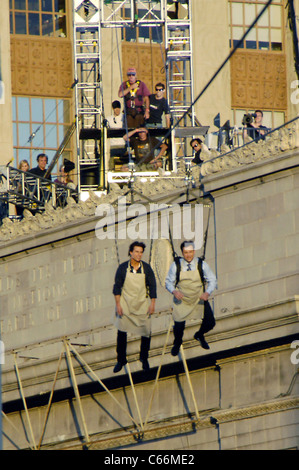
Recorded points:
(133, 279)
(40, 170)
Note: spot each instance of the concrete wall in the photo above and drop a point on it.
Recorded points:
(57, 283)
(243, 396)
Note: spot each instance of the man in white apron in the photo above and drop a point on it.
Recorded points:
(134, 283)
(189, 297)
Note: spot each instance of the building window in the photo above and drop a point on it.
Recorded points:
(143, 33)
(266, 35)
(38, 17)
(39, 126)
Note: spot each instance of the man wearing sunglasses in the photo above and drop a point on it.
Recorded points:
(196, 145)
(136, 99)
(158, 106)
(147, 149)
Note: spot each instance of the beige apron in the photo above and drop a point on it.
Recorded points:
(190, 307)
(135, 305)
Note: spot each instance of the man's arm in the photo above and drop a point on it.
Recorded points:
(146, 106)
(127, 136)
(119, 310)
(152, 287)
(167, 118)
(123, 90)
(163, 148)
(120, 276)
(170, 282)
(151, 308)
(211, 280)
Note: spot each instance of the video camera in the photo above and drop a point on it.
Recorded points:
(248, 119)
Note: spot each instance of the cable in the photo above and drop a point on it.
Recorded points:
(232, 52)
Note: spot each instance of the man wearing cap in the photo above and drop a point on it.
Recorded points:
(147, 149)
(136, 99)
(117, 145)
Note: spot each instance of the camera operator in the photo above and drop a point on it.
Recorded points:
(253, 126)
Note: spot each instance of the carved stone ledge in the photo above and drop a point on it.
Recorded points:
(281, 140)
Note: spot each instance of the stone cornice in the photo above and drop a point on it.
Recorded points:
(278, 152)
(277, 143)
(37, 375)
(181, 425)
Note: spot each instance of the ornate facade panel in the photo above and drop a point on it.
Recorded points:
(258, 80)
(41, 67)
(148, 60)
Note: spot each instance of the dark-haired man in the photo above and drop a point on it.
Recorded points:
(256, 130)
(196, 145)
(157, 106)
(133, 279)
(40, 169)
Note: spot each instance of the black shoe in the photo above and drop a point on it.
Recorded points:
(145, 364)
(200, 337)
(175, 350)
(118, 367)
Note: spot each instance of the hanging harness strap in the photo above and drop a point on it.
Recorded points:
(131, 96)
(177, 261)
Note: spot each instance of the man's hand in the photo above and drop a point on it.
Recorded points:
(204, 296)
(134, 86)
(157, 163)
(119, 311)
(151, 308)
(178, 294)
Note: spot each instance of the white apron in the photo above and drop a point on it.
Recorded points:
(190, 307)
(135, 305)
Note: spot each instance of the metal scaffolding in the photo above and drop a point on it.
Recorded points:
(89, 18)
(140, 428)
(29, 191)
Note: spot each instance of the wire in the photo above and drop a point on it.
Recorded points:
(232, 52)
(125, 112)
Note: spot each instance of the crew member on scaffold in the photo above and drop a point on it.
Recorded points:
(136, 97)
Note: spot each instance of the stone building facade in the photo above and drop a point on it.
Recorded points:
(37, 65)
(56, 282)
(56, 275)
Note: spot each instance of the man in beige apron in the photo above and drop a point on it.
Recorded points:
(134, 283)
(188, 293)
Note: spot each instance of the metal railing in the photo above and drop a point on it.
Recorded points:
(29, 191)
(268, 135)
